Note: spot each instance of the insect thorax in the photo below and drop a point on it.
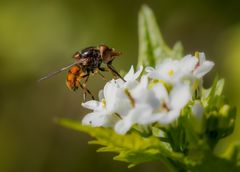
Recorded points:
(92, 58)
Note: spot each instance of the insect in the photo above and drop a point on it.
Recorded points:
(88, 61)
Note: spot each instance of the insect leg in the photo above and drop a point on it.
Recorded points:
(85, 87)
(84, 92)
(82, 87)
(114, 72)
(103, 77)
(104, 69)
(85, 76)
(89, 92)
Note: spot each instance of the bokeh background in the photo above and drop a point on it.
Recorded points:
(37, 37)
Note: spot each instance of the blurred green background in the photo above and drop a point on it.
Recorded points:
(37, 37)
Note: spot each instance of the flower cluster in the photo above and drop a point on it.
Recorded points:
(151, 95)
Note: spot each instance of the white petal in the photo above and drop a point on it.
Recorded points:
(116, 99)
(97, 119)
(130, 74)
(154, 75)
(203, 69)
(143, 95)
(160, 92)
(122, 126)
(120, 82)
(119, 102)
(188, 63)
(149, 69)
(100, 95)
(169, 117)
(133, 76)
(131, 84)
(152, 72)
(91, 119)
(202, 58)
(179, 96)
(139, 115)
(144, 81)
(107, 90)
(93, 105)
(138, 73)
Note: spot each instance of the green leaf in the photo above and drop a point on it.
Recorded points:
(233, 153)
(177, 51)
(209, 95)
(152, 47)
(219, 87)
(131, 148)
(219, 115)
(212, 162)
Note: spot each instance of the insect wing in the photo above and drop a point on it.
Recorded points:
(80, 61)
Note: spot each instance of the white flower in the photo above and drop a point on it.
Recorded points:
(107, 111)
(144, 102)
(175, 71)
(131, 75)
(162, 107)
(130, 78)
(136, 115)
(114, 102)
(158, 96)
(102, 118)
(167, 71)
(172, 103)
(203, 66)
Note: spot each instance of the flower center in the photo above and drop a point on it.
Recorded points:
(103, 103)
(165, 107)
(171, 73)
(166, 85)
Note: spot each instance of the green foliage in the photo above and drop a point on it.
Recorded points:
(131, 148)
(152, 47)
(210, 95)
(233, 153)
(211, 162)
(219, 115)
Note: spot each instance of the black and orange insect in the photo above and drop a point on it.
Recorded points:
(88, 61)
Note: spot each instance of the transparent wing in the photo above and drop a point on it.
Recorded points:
(59, 71)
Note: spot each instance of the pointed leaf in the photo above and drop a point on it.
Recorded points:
(152, 47)
(131, 148)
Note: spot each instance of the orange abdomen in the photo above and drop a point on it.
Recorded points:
(73, 77)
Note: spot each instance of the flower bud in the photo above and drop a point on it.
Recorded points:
(197, 116)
